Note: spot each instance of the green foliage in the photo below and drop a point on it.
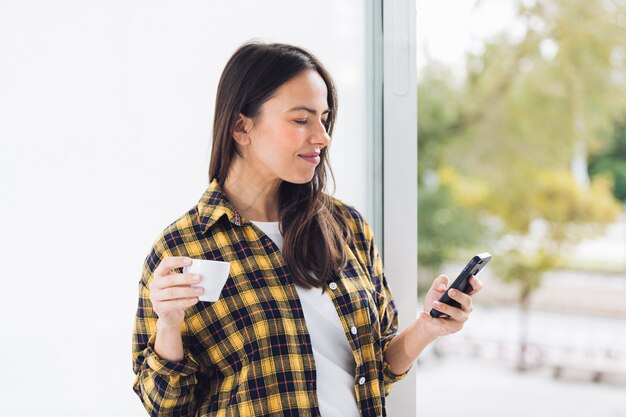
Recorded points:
(438, 110)
(444, 227)
(612, 162)
(616, 170)
(523, 269)
(504, 141)
(562, 84)
(555, 197)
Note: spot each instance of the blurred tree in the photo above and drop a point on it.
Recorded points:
(520, 131)
(551, 97)
(444, 225)
(545, 101)
(526, 271)
(612, 162)
(439, 109)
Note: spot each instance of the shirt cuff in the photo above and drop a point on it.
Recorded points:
(184, 367)
(389, 376)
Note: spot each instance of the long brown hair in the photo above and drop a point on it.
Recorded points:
(314, 228)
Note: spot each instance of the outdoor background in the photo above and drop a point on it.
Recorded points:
(522, 153)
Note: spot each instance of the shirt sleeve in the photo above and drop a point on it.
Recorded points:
(387, 310)
(165, 388)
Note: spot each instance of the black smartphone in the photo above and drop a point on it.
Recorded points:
(461, 283)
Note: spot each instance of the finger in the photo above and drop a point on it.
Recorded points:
(173, 280)
(177, 293)
(426, 317)
(476, 284)
(440, 284)
(443, 326)
(464, 299)
(171, 262)
(430, 319)
(454, 312)
(173, 305)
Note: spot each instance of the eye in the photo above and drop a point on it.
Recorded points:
(301, 121)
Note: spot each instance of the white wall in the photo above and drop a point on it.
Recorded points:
(105, 119)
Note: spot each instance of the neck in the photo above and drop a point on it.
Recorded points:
(254, 196)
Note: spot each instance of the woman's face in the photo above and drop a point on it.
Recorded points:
(290, 130)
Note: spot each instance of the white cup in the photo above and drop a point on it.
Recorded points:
(214, 276)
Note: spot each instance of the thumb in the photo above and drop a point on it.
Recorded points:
(440, 284)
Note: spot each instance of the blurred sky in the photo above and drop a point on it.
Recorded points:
(446, 29)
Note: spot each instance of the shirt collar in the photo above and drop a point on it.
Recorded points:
(213, 205)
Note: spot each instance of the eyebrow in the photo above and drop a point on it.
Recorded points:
(307, 109)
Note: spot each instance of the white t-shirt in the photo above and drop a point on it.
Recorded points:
(334, 361)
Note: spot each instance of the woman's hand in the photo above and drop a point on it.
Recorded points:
(410, 343)
(172, 293)
(434, 327)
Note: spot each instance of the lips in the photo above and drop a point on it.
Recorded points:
(312, 157)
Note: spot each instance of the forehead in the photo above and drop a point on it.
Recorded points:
(307, 88)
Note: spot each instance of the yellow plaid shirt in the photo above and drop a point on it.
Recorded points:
(249, 353)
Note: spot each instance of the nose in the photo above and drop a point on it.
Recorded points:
(320, 136)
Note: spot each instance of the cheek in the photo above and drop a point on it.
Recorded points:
(272, 151)
(279, 143)
(287, 141)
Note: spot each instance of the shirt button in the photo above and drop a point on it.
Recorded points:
(353, 330)
(362, 380)
(333, 286)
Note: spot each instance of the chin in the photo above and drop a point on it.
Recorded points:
(299, 180)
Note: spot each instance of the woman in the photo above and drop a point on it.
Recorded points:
(306, 324)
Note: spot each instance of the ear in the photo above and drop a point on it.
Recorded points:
(242, 128)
